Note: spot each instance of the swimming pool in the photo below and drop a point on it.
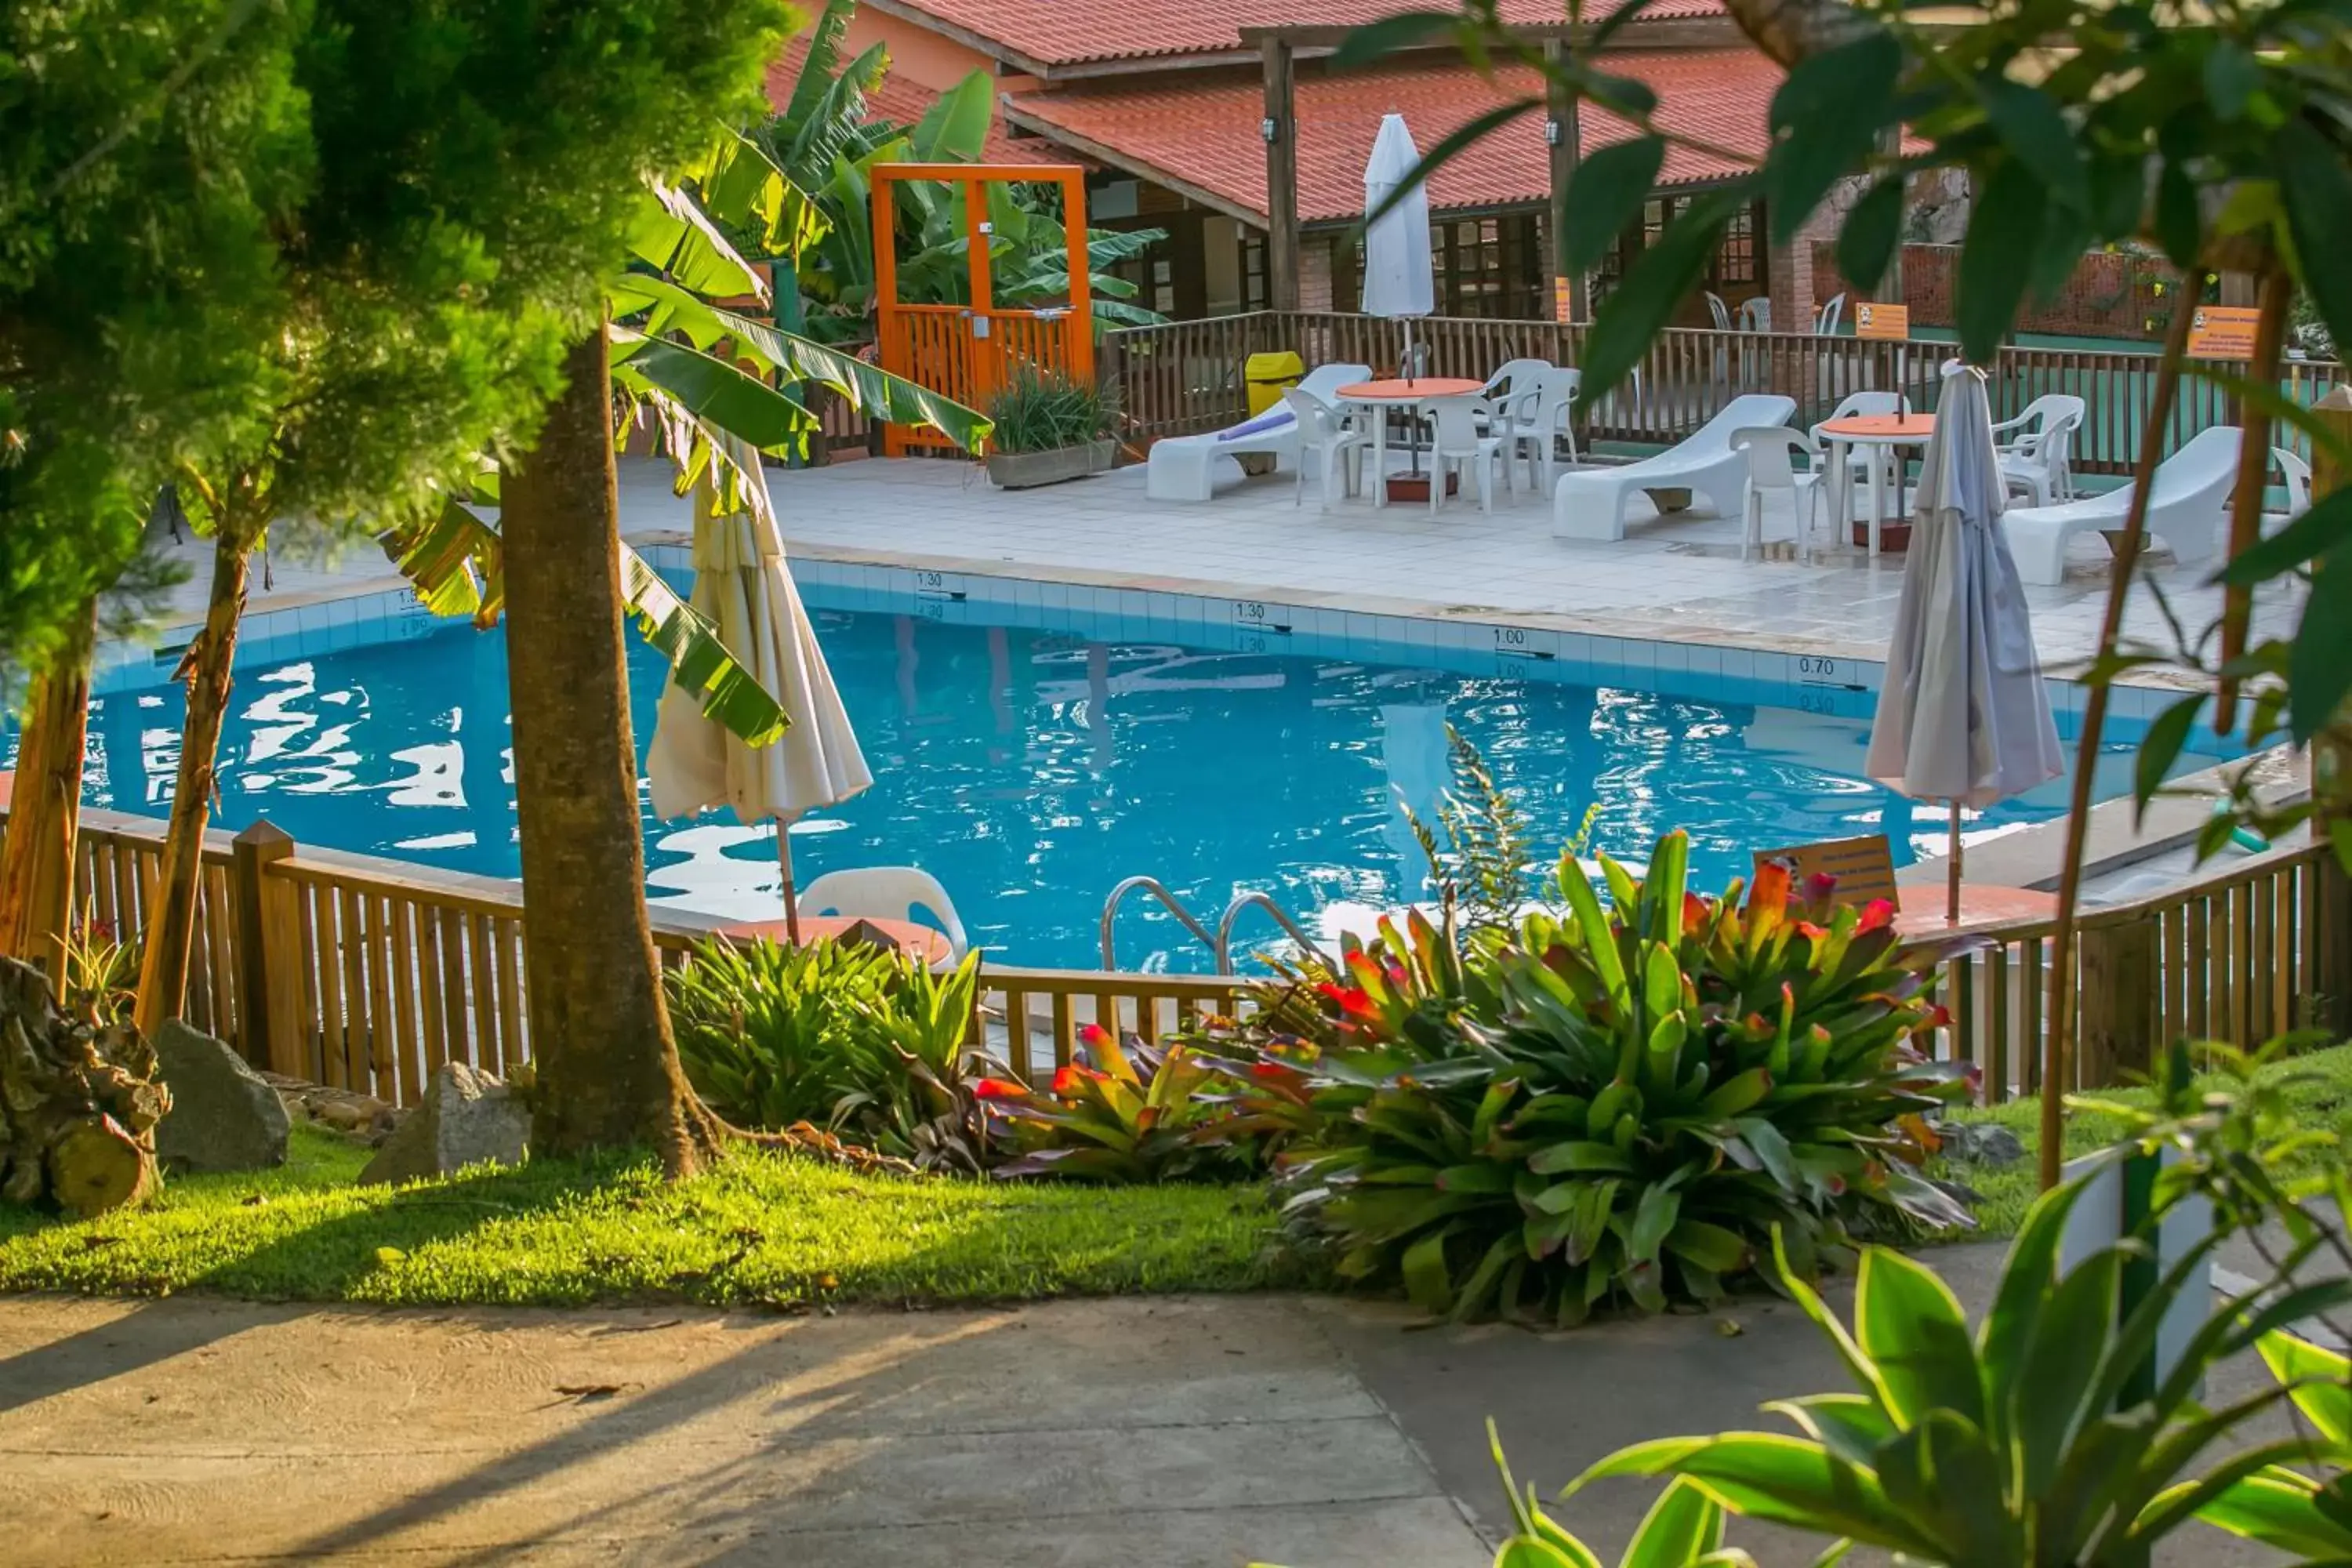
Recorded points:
(1032, 745)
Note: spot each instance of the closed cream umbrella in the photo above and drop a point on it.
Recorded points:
(1398, 280)
(1962, 714)
(743, 587)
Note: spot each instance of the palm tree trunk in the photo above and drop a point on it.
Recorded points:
(607, 1069)
(36, 862)
(169, 930)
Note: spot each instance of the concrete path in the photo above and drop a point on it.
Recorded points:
(1211, 1431)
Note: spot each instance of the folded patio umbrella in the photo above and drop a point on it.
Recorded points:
(1962, 715)
(1398, 277)
(743, 587)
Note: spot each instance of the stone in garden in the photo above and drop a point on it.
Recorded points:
(467, 1117)
(224, 1116)
(1978, 1142)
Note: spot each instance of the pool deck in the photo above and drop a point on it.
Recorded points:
(1677, 579)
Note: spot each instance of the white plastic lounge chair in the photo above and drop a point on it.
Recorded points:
(1455, 444)
(1184, 468)
(2186, 507)
(1326, 445)
(1531, 423)
(887, 893)
(2037, 447)
(1770, 469)
(1591, 503)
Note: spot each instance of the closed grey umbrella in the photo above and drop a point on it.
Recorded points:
(1962, 715)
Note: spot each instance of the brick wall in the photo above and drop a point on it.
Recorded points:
(2110, 295)
(1314, 273)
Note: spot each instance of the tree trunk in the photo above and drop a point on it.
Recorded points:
(79, 1102)
(607, 1068)
(170, 925)
(36, 862)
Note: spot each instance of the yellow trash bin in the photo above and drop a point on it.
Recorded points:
(1268, 374)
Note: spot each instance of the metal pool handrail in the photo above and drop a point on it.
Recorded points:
(1252, 900)
(1174, 906)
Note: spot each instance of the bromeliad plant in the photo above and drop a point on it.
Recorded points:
(1118, 1114)
(1620, 1105)
(2044, 1439)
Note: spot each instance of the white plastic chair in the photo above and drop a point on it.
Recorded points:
(1756, 314)
(1532, 423)
(1184, 467)
(2298, 486)
(2037, 447)
(1858, 459)
(1327, 442)
(2187, 508)
(1456, 444)
(1827, 318)
(1719, 311)
(887, 893)
(1772, 467)
(1589, 503)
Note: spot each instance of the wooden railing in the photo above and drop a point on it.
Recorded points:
(1186, 377)
(368, 973)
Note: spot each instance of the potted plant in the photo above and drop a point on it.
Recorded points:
(1049, 428)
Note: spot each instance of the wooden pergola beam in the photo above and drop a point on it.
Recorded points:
(1564, 145)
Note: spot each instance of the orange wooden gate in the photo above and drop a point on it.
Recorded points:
(969, 351)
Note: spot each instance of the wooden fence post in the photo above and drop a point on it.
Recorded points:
(2118, 992)
(270, 964)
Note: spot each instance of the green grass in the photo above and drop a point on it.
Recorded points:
(2319, 1088)
(762, 1229)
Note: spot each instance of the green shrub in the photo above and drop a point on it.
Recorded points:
(860, 1040)
(1620, 1105)
(1043, 411)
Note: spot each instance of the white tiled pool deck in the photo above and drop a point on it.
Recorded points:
(1677, 580)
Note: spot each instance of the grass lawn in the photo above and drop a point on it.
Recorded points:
(2319, 1088)
(763, 1229)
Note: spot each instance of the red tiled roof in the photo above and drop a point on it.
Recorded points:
(1203, 134)
(1072, 32)
(906, 102)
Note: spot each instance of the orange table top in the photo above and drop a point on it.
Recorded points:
(1419, 390)
(917, 942)
(1923, 907)
(1883, 426)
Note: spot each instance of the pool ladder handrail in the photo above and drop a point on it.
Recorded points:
(1219, 944)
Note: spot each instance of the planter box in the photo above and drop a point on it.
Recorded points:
(1025, 470)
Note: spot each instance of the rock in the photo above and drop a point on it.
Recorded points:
(1978, 1143)
(224, 1116)
(467, 1117)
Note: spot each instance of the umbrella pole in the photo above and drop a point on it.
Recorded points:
(791, 898)
(1952, 893)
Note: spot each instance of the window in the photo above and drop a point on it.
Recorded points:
(1255, 294)
(1490, 268)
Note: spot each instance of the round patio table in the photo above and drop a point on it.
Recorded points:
(1380, 396)
(920, 943)
(1893, 431)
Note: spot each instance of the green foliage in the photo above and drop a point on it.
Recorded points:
(1120, 1115)
(1684, 1528)
(859, 1040)
(1043, 411)
(1483, 869)
(97, 974)
(759, 1229)
(1618, 1105)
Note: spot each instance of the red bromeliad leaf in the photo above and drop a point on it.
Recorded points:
(999, 1088)
(1876, 913)
(1092, 1035)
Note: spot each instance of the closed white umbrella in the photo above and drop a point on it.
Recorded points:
(1962, 716)
(1398, 277)
(743, 587)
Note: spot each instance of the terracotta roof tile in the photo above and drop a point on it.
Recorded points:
(1204, 133)
(1072, 32)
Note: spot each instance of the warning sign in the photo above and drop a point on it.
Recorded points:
(1875, 320)
(2222, 332)
(1862, 869)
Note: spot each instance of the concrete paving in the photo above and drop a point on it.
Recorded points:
(1315, 1432)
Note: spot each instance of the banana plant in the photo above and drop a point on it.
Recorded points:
(2024, 1445)
(711, 384)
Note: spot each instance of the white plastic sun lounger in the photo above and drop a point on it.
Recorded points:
(1589, 503)
(2185, 509)
(1184, 467)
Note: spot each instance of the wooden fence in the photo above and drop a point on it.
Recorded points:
(368, 973)
(1186, 377)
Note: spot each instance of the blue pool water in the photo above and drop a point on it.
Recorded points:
(1031, 770)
